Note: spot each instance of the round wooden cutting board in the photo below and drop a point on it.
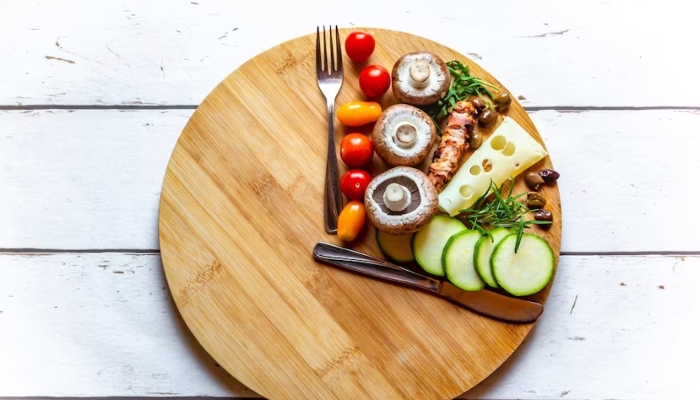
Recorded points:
(242, 208)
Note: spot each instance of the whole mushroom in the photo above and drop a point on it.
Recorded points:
(403, 135)
(401, 200)
(420, 78)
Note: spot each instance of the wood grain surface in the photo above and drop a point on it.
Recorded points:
(240, 210)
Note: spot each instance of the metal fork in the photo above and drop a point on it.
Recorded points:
(330, 79)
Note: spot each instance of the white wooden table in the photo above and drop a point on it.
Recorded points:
(93, 96)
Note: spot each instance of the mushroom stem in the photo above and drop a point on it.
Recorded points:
(419, 71)
(406, 135)
(397, 197)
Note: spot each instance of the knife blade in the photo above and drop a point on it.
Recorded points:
(483, 302)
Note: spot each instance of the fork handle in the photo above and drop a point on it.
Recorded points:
(333, 199)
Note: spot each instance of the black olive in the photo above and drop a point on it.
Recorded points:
(549, 175)
(543, 215)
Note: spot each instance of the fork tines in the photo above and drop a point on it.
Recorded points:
(336, 58)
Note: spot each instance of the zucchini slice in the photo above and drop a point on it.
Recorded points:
(526, 272)
(458, 260)
(429, 242)
(396, 247)
(482, 257)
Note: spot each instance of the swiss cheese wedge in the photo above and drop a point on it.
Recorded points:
(509, 151)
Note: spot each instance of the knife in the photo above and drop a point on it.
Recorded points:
(484, 302)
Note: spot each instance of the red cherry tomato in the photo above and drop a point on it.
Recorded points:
(374, 80)
(356, 150)
(359, 46)
(354, 183)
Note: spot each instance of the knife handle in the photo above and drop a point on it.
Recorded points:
(372, 266)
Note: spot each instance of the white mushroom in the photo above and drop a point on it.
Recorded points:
(403, 135)
(420, 78)
(401, 200)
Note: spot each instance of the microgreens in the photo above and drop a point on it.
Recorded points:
(463, 86)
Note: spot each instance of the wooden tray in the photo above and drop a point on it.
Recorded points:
(240, 212)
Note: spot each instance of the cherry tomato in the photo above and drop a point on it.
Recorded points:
(374, 80)
(356, 150)
(351, 220)
(358, 113)
(359, 46)
(354, 183)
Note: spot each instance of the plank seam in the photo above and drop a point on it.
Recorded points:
(30, 251)
(40, 107)
(608, 108)
(77, 251)
(632, 253)
(132, 398)
(159, 398)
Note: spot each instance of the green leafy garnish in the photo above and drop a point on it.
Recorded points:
(463, 86)
(492, 209)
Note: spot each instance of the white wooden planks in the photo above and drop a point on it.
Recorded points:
(627, 178)
(616, 327)
(91, 179)
(103, 325)
(83, 179)
(575, 53)
(97, 325)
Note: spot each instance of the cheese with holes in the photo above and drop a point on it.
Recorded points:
(509, 151)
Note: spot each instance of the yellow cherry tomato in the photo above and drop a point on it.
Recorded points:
(351, 220)
(357, 113)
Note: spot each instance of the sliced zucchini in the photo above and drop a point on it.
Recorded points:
(526, 272)
(429, 242)
(396, 247)
(484, 249)
(458, 260)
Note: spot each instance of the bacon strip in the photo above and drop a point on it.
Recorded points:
(460, 125)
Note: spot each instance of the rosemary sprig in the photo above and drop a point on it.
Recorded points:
(521, 227)
(492, 209)
(463, 86)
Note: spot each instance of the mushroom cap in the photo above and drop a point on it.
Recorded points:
(423, 206)
(385, 139)
(437, 85)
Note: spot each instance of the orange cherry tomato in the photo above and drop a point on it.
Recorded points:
(351, 220)
(358, 113)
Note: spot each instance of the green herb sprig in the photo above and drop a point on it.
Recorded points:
(463, 86)
(499, 211)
